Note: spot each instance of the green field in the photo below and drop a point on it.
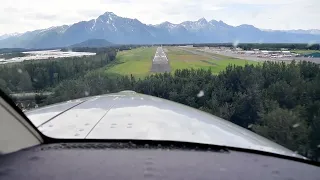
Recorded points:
(138, 62)
(180, 59)
(306, 51)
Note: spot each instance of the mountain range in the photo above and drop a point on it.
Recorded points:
(120, 30)
(93, 43)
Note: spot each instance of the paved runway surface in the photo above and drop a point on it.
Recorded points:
(160, 62)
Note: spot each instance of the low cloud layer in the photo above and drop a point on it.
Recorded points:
(21, 15)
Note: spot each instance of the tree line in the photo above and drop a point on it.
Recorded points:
(99, 50)
(41, 75)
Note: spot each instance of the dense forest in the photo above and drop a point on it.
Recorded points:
(277, 100)
(101, 49)
(41, 75)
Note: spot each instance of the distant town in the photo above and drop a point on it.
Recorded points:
(283, 54)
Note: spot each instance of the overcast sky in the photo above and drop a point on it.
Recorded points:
(25, 15)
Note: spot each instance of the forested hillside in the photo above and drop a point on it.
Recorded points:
(277, 100)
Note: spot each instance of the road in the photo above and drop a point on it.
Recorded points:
(160, 62)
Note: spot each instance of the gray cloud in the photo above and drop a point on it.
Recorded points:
(10, 10)
(37, 16)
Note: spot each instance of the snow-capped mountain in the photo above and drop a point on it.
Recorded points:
(194, 26)
(122, 30)
(93, 43)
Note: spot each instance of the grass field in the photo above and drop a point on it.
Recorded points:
(136, 62)
(180, 59)
(306, 51)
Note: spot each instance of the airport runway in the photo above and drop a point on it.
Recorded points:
(160, 62)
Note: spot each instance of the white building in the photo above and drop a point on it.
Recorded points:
(286, 52)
